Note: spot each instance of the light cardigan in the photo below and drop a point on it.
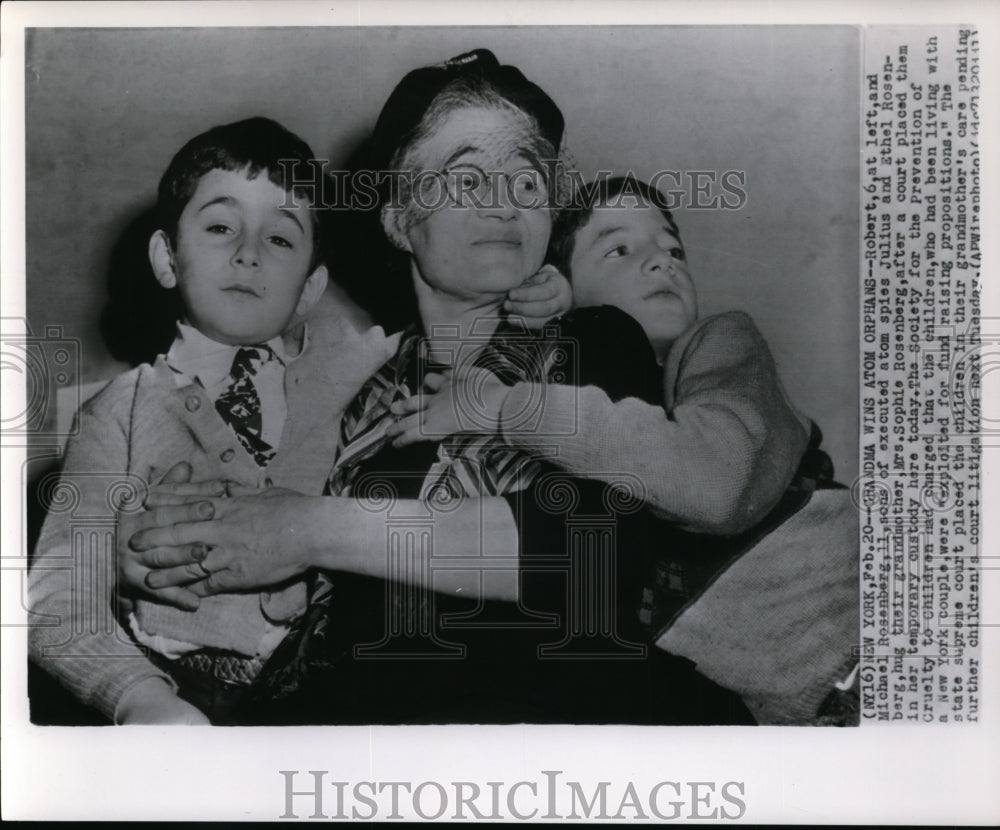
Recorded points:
(717, 463)
(134, 430)
(229, 623)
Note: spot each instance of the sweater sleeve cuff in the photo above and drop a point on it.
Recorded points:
(135, 679)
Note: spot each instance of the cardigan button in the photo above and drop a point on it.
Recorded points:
(193, 402)
(227, 455)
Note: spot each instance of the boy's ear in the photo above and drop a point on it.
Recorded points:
(392, 224)
(161, 258)
(312, 290)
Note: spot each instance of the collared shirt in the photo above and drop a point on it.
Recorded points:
(197, 358)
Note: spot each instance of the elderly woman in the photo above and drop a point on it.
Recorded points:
(456, 580)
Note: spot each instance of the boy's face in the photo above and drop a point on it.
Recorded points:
(628, 257)
(241, 260)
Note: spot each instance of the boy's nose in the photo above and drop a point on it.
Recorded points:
(659, 262)
(247, 255)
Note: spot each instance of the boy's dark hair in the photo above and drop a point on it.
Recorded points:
(257, 145)
(608, 193)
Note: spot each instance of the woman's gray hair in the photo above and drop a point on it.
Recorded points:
(461, 93)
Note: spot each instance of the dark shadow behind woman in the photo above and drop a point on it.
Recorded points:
(140, 320)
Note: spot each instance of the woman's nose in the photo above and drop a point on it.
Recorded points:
(499, 201)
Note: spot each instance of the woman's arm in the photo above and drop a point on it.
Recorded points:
(264, 539)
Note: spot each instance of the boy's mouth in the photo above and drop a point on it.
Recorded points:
(242, 289)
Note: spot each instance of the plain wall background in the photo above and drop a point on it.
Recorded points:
(107, 108)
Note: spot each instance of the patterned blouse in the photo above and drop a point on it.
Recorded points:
(464, 464)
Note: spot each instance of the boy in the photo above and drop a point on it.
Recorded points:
(235, 396)
(696, 410)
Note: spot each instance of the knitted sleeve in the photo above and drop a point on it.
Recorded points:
(74, 634)
(721, 458)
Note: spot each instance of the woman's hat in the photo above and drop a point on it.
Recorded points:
(413, 95)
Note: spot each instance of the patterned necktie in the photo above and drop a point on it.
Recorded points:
(239, 405)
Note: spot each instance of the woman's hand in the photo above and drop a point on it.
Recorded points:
(174, 499)
(544, 295)
(253, 539)
(466, 400)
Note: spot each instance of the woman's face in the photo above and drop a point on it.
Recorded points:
(479, 221)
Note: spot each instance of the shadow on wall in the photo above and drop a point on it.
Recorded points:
(139, 320)
(361, 260)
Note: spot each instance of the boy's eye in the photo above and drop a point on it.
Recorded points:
(280, 241)
(617, 251)
(219, 228)
(677, 253)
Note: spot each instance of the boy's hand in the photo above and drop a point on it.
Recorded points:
(466, 400)
(153, 701)
(544, 295)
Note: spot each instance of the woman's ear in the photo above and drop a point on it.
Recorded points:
(312, 290)
(392, 224)
(161, 258)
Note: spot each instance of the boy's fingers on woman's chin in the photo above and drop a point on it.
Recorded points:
(533, 293)
(520, 297)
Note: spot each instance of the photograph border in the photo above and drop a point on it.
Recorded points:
(873, 774)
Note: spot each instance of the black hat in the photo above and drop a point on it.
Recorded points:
(413, 95)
